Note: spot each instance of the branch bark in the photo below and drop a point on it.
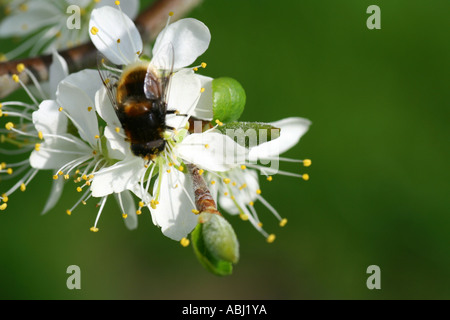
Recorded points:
(150, 22)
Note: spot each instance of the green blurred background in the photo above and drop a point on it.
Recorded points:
(378, 193)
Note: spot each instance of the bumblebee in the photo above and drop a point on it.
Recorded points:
(139, 97)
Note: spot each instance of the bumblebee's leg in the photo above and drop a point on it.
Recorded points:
(177, 113)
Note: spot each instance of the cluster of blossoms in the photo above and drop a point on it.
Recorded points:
(73, 130)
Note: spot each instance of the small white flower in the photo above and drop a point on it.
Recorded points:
(19, 130)
(238, 190)
(50, 24)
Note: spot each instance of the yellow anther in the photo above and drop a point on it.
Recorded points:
(9, 126)
(203, 65)
(117, 3)
(225, 193)
(226, 180)
(307, 162)
(260, 224)
(60, 173)
(23, 187)
(195, 69)
(15, 78)
(68, 212)
(60, 109)
(118, 40)
(141, 204)
(37, 146)
(283, 222)
(83, 202)
(5, 197)
(58, 34)
(117, 129)
(181, 168)
(170, 164)
(40, 135)
(213, 182)
(94, 30)
(232, 198)
(207, 146)
(97, 136)
(233, 183)
(23, 7)
(195, 211)
(243, 167)
(55, 177)
(77, 171)
(94, 229)
(124, 215)
(3, 206)
(270, 238)
(9, 171)
(3, 165)
(138, 212)
(202, 90)
(243, 216)
(168, 170)
(84, 177)
(89, 109)
(305, 176)
(258, 191)
(91, 176)
(79, 189)
(251, 203)
(66, 177)
(170, 13)
(201, 171)
(217, 121)
(269, 178)
(88, 183)
(184, 242)
(1, 113)
(20, 67)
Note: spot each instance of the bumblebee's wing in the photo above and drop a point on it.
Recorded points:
(110, 75)
(156, 85)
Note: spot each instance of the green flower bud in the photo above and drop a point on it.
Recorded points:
(228, 99)
(215, 244)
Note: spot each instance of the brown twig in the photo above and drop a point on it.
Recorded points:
(150, 22)
(203, 198)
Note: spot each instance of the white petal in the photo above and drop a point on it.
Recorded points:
(105, 108)
(62, 152)
(204, 107)
(129, 206)
(173, 213)
(55, 195)
(292, 129)
(58, 71)
(129, 7)
(211, 151)
(48, 120)
(114, 25)
(184, 92)
(189, 38)
(242, 197)
(37, 15)
(118, 148)
(123, 175)
(75, 95)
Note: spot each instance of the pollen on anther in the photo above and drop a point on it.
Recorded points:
(5, 198)
(55, 177)
(94, 229)
(79, 189)
(202, 90)
(181, 168)
(195, 69)
(270, 238)
(184, 242)
(37, 146)
(141, 204)
(283, 222)
(226, 180)
(89, 109)
(138, 212)
(203, 65)
(20, 67)
(40, 135)
(307, 162)
(9, 126)
(94, 30)
(269, 178)
(15, 78)
(305, 176)
(260, 224)
(243, 216)
(258, 191)
(117, 129)
(243, 167)
(3, 206)
(23, 187)
(68, 212)
(195, 211)
(118, 40)
(97, 136)
(207, 146)
(201, 171)
(124, 215)
(251, 203)
(213, 182)
(60, 109)
(9, 171)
